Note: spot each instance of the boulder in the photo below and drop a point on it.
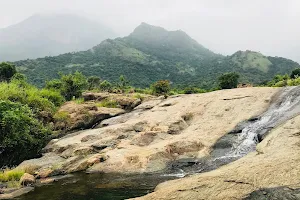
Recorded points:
(27, 179)
(85, 115)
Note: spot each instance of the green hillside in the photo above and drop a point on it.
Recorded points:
(152, 53)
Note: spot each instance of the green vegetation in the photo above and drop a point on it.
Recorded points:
(7, 175)
(145, 57)
(105, 86)
(295, 73)
(25, 115)
(161, 87)
(228, 80)
(22, 136)
(93, 82)
(7, 71)
(107, 103)
(285, 80)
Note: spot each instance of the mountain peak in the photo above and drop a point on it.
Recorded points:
(146, 30)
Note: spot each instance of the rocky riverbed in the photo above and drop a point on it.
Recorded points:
(159, 132)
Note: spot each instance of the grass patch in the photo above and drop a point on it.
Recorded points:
(79, 100)
(107, 103)
(7, 175)
(139, 96)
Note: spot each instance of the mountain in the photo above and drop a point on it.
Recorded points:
(50, 35)
(152, 53)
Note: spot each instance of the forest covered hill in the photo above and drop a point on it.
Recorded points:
(152, 53)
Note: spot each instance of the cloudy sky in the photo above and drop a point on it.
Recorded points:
(225, 26)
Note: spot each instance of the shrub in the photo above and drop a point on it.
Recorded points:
(52, 95)
(105, 86)
(21, 135)
(7, 71)
(37, 100)
(93, 82)
(161, 87)
(11, 175)
(193, 90)
(73, 85)
(228, 80)
(295, 73)
(54, 84)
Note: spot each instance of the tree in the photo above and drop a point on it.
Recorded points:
(7, 71)
(124, 83)
(73, 85)
(228, 80)
(105, 86)
(55, 84)
(295, 73)
(161, 87)
(93, 82)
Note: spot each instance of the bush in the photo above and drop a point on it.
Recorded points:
(161, 87)
(295, 73)
(7, 71)
(11, 175)
(193, 90)
(228, 80)
(52, 95)
(54, 84)
(105, 86)
(38, 100)
(93, 82)
(21, 135)
(73, 85)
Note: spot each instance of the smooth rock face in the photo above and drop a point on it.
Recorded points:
(155, 133)
(275, 163)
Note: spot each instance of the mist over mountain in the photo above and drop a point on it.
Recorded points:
(50, 35)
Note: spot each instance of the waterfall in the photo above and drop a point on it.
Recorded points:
(284, 106)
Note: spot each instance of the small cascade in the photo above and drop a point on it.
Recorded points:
(286, 106)
(233, 146)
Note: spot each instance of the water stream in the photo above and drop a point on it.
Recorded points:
(242, 140)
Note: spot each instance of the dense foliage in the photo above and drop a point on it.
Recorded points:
(161, 87)
(228, 80)
(71, 85)
(25, 115)
(150, 54)
(7, 71)
(295, 73)
(22, 136)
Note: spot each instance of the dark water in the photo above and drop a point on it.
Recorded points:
(83, 186)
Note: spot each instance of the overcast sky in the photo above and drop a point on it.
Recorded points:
(224, 26)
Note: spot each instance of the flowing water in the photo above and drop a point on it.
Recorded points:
(231, 147)
(245, 137)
